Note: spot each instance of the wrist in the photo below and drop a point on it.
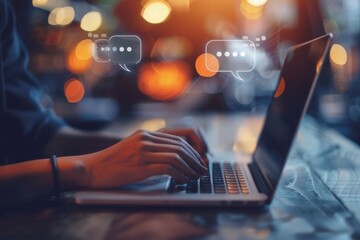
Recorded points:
(72, 173)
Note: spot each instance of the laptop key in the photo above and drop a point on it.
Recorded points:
(205, 184)
(192, 186)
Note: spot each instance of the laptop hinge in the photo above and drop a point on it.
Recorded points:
(260, 182)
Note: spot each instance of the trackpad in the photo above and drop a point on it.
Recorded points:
(151, 184)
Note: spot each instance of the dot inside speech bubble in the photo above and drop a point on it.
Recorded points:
(234, 56)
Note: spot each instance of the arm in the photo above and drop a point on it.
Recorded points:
(32, 180)
(139, 156)
(70, 141)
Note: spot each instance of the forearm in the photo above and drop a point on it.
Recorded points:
(69, 141)
(29, 181)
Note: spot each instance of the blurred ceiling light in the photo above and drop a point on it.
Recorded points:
(338, 55)
(83, 49)
(171, 48)
(156, 11)
(77, 65)
(39, 3)
(250, 11)
(202, 68)
(74, 90)
(61, 16)
(165, 80)
(91, 21)
(257, 3)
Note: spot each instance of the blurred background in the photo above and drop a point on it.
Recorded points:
(172, 77)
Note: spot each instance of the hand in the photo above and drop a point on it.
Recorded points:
(141, 155)
(192, 136)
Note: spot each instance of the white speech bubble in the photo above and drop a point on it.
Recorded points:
(128, 50)
(120, 49)
(234, 56)
(100, 52)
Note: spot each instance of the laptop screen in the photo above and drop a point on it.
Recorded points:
(289, 102)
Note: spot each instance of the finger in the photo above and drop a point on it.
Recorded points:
(175, 140)
(170, 159)
(190, 160)
(160, 169)
(190, 135)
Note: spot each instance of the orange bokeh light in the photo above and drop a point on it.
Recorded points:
(77, 65)
(74, 90)
(164, 81)
(83, 49)
(281, 88)
(212, 62)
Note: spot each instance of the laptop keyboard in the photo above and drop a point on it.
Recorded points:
(222, 178)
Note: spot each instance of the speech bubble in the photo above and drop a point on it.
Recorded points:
(125, 49)
(101, 50)
(234, 56)
(120, 49)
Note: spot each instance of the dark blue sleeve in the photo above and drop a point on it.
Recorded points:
(27, 123)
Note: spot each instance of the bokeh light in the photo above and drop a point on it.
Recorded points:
(338, 55)
(257, 3)
(61, 16)
(39, 3)
(83, 49)
(74, 90)
(153, 124)
(251, 11)
(164, 81)
(77, 65)
(182, 5)
(156, 11)
(91, 21)
(212, 62)
(247, 136)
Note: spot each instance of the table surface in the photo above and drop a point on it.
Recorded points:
(321, 163)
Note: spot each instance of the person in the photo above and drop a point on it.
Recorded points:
(31, 132)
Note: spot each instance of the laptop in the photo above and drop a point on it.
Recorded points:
(237, 180)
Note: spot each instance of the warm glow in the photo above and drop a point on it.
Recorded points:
(171, 48)
(91, 21)
(204, 60)
(74, 90)
(61, 16)
(156, 11)
(257, 3)
(281, 88)
(180, 4)
(250, 11)
(164, 81)
(247, 136)
(77, 65)
(338, 55)
(84, 49)
(318, 66)
(153, 124)
(52, 16)
(39, 3)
